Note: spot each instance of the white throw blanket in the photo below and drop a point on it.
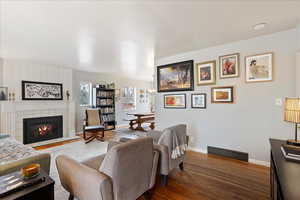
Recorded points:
(176, 139)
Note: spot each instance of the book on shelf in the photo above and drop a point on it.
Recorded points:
(291, 152)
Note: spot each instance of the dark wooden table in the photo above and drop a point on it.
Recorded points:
(285, 175)
(40, 191)
(140, 119)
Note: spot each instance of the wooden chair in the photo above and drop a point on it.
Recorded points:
(93, 124)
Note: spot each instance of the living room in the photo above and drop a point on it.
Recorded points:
(149, 99)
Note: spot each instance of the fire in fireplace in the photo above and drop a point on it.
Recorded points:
(42, 128)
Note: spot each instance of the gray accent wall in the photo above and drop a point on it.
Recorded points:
(247, 124)
(102, 78)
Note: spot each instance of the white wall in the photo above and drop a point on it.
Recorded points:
(14, 71)
(120, 82)
(298, 62)
(247, 124)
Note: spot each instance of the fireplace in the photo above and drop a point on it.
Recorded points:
(42, 128)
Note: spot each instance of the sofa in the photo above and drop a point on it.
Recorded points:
(14, 155)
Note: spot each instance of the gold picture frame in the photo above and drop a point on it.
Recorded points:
(226, 92)
(206, 73)
(232, 69)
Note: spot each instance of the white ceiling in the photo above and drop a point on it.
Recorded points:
(125, 36)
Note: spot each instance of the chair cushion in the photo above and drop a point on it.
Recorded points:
(88, 128)
(93, 116)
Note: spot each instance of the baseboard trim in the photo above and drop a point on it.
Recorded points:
(253, 161)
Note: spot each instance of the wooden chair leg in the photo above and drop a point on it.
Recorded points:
(164, 180)
(71, 197)
(181, 166)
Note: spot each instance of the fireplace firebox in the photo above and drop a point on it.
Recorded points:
(42, 128)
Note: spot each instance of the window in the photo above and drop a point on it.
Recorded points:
(85, 94)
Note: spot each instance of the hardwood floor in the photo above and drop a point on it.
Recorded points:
(209, 177)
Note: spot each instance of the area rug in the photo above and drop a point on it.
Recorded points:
(78, 151)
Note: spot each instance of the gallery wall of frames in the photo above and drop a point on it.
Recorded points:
(179, 77)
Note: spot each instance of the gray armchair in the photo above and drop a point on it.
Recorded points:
(126, 172)
(163, 140)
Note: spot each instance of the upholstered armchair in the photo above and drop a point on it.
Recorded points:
(163, 140)
(125, 172)
(94, 124)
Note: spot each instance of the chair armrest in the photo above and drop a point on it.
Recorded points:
(94, 162)
(164, 158)
(154, 168)
(83, 182)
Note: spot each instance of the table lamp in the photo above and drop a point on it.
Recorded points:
(292, 114)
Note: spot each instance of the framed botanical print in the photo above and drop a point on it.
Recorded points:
(41, 91)
(259, 68)
(229, 65)
(176, 77)
(206, 73)
(222, 94)
(175, 101)
(198, 100)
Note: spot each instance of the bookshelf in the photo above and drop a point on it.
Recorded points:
(104, 99)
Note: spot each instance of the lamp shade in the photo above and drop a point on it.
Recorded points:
(292, 110)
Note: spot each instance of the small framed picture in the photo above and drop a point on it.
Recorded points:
(198, 100)
(3, 93)
(259, 68)
(206, 73)
(222, 94)
(175, 101)
(229, 65)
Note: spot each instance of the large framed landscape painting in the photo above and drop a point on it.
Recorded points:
(175, 101)
(176, 77)
(259, 68)
(222, 94)
(41, 91)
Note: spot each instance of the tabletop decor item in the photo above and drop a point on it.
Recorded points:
(176, 77)
(206, 73)
(198, 100)
(292, 114)
(175, 101)
(222, 94)
(31, 171)
(259, 68)
(229, 65)
(3, 93)
(41, 91)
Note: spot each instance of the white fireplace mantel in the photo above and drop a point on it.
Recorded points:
(13, 113)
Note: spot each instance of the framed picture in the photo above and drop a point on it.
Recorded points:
(175, 77)
(222, 94)
(3, 93)
(259, 68)
(41, 91)
(174, 101)
(229, 65)
(206, 73)
(198, 100)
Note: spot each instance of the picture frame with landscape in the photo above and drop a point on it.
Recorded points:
(206, 73)
(259, 68)
(229, 66)
(222, 94)
(176, 77)
(175, 101)
(198, 100)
